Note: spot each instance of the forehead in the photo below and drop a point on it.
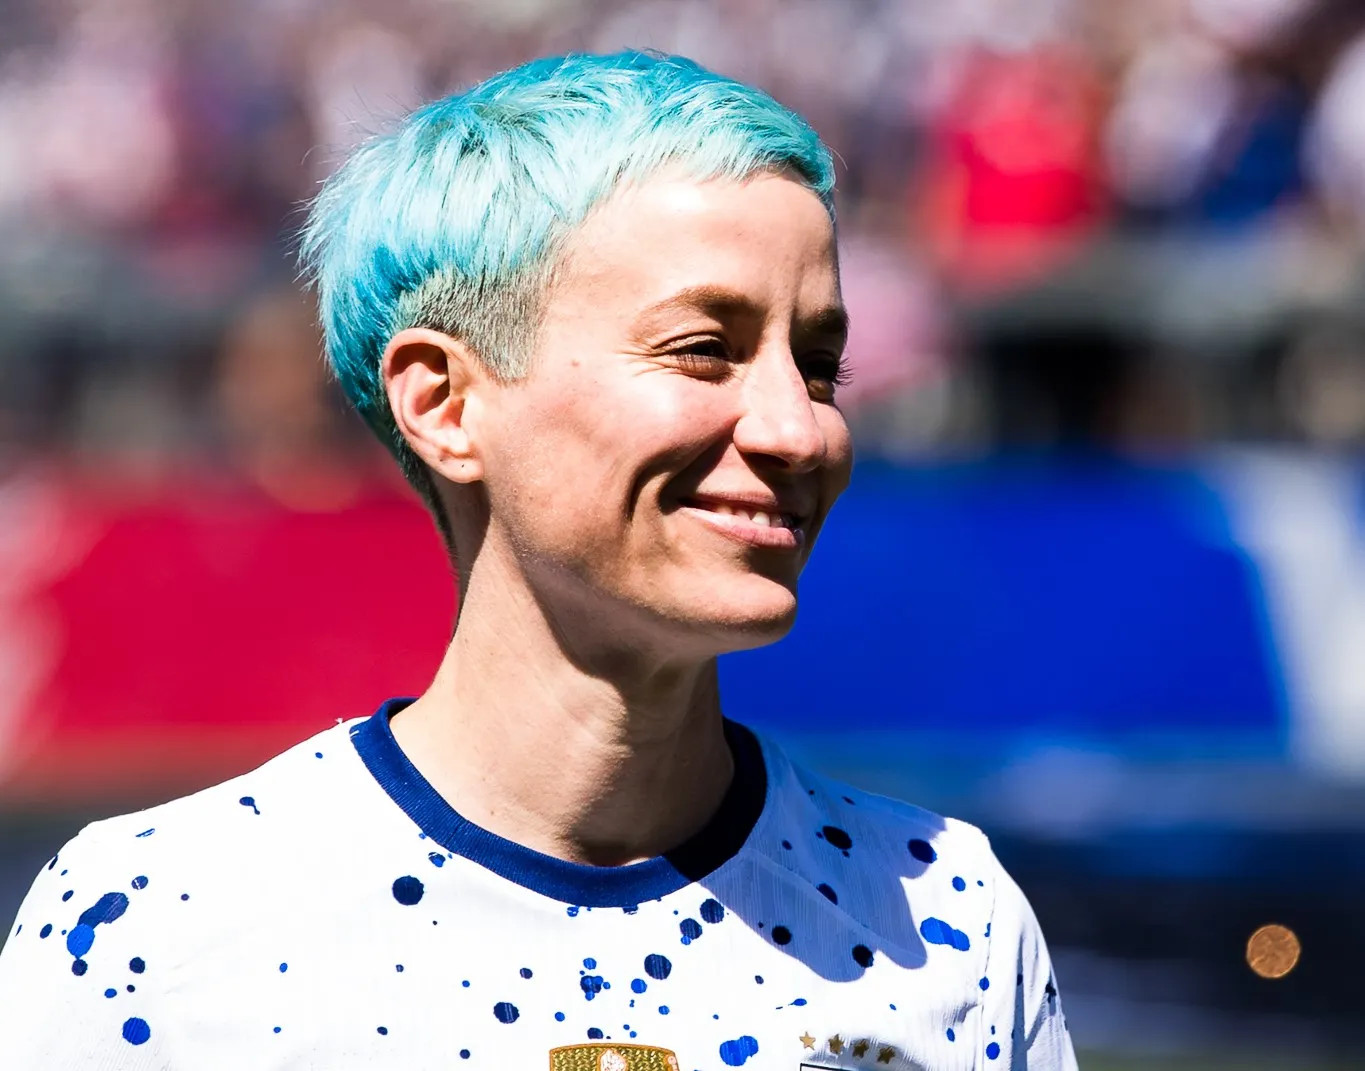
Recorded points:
(768, 237)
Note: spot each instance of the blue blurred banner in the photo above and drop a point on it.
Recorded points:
(1082, 599)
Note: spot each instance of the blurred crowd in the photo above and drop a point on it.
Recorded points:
(1130, 225)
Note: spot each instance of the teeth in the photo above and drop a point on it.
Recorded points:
(762, 518)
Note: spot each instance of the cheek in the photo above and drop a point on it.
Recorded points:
(622, 428)
(577, 454)
(553, 470)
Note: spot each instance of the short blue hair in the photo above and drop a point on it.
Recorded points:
(454, 221)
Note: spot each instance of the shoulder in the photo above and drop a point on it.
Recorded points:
(914, 837)
(966, 908)
(945, 867)
(291, 785)
(117, 917)
(142, 866)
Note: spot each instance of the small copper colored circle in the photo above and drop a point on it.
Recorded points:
(1273, 951)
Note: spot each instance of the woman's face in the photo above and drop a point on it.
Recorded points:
(669, 458)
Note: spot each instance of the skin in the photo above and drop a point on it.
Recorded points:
(685, 365)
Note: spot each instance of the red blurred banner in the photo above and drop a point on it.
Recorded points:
(162, 633)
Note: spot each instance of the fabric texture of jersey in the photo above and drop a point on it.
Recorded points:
(330, 910)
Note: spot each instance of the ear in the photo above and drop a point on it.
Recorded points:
(433, 382)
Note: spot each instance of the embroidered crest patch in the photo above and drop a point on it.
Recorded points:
(612, 1056)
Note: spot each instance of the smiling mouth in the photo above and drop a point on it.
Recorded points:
(755, 526)
(760, 517)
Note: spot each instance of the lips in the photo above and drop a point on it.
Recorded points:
(765, 522)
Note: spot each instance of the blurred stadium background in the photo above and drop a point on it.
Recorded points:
(1099, 586)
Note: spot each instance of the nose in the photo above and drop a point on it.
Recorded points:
(779, 420)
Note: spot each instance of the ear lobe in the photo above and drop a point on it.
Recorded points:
(430, 379)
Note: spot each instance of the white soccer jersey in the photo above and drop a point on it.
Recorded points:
(330, 910)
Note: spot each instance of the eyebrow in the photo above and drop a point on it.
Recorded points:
(831, 320)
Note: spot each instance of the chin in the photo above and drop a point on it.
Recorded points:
(741, 618)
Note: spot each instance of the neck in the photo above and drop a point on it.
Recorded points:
(602, 759)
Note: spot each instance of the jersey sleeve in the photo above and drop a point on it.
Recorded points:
(1024, 1028)
(74, 985)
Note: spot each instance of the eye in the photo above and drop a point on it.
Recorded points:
(825, 373)
(705, 357)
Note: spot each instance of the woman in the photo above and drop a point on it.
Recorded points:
(593, 306)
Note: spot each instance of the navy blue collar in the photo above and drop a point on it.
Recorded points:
(571, 883)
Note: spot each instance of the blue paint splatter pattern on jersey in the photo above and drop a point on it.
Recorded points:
(832, 902)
